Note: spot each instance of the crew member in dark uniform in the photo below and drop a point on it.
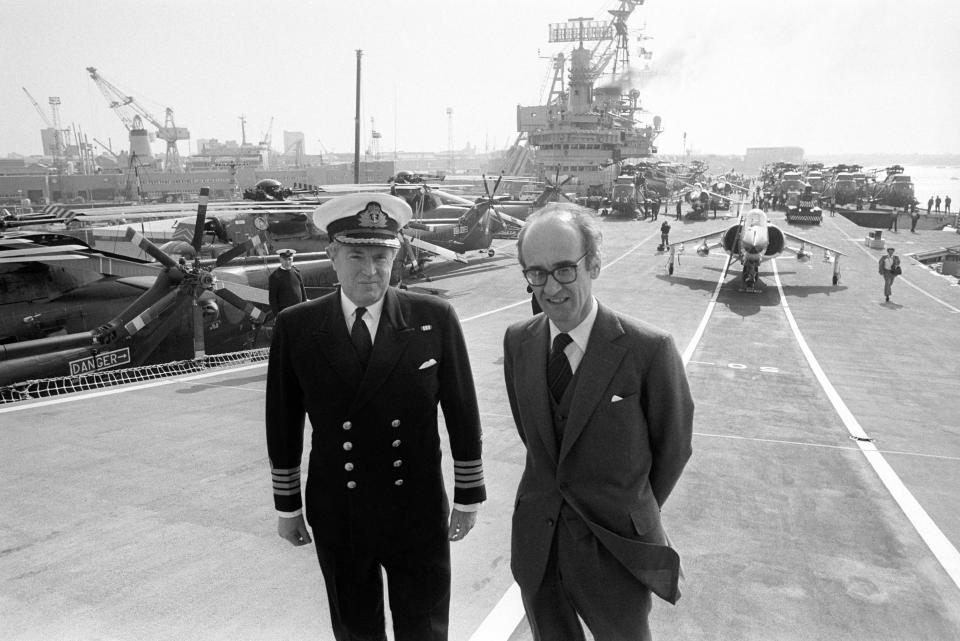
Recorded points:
(664, 236)
(286, 283)
(368, 364)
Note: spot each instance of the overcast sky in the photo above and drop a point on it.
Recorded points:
(831, 76)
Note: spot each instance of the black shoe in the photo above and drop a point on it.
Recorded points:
(888, 298)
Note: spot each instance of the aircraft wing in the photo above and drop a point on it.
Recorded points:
(804, 241)
(442, 252)
(704, 237)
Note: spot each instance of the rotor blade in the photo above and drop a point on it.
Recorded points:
(199, 346)
(251, 243)
(496, 213)
(436, 249)
(149, 248)
(486, 187)
(557, 179)
(150, 314)
(407, 248)
(566, 180)
(245, 306)
(485, 221)
(201, 218)
(499, 178)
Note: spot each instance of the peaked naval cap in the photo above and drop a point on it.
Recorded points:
(363, 219)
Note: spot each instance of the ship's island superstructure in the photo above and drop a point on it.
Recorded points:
(589, 124)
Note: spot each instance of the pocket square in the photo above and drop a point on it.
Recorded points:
(615, 398)
(429, 363)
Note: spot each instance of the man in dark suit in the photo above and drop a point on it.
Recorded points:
(368, 365)
(607, 418)
(285, 284)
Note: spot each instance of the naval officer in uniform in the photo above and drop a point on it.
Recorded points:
(285, 283)
(369, 364)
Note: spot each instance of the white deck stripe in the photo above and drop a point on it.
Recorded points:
(944, 551)
(503, 620)
(697, 335)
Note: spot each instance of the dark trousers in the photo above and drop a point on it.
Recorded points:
(418, 583)
(584, 581)
(888, 278)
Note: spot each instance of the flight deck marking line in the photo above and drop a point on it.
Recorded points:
(916, 287)
(502, 621)
(119, 389)
(821, 445)
(692, 345)
(944, 551)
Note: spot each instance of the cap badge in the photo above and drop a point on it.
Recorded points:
(372, 216)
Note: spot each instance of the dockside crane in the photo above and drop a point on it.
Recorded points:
(267, 139)
(131, 112)
(58, 148)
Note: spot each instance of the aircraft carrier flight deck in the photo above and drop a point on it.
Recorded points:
(820, 501)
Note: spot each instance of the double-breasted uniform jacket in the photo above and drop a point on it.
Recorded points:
(375, 476)
(624, 445)
(285, 288)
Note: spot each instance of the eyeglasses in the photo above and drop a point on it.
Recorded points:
(564, 274)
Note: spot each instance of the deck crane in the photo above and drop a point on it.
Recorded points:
(612, 44)
(615, 47)
(123, 105)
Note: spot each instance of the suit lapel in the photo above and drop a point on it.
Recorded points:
(531, 371)
(599, 364)
(392, 338)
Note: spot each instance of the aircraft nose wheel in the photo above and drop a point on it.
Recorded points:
(491, 252)
(836, 279)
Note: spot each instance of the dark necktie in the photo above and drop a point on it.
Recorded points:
(360, 335)
(558, 367)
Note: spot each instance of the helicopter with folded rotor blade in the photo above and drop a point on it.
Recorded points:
(191, 308)
(472, 232)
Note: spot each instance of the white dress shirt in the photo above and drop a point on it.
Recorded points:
(580, 335)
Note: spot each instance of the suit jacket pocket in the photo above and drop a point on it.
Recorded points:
(646, 523)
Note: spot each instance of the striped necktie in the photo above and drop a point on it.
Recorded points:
(558, 367)
(360, 335)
